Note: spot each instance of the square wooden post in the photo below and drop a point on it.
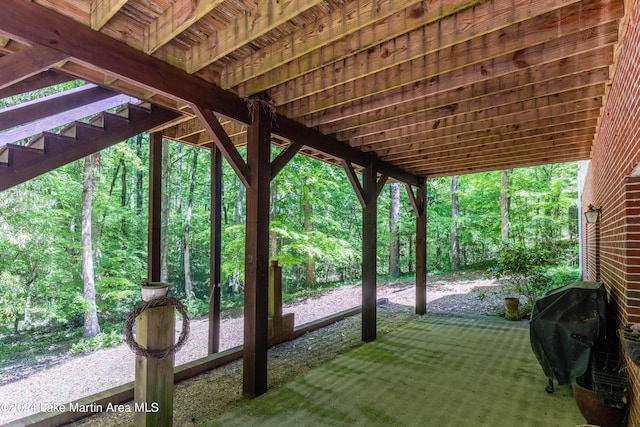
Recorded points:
(153, 391)
(155, 207)
(257, 255)
(155, 328)
(421, 249)
(275, 290)
(369, 248)
(215, 249)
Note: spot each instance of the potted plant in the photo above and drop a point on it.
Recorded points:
(522, 270)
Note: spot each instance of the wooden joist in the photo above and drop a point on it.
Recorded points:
(34, 24)
(26, 63)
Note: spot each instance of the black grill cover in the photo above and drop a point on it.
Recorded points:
(565, 324)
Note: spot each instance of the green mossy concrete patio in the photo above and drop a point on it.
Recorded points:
(436, 371)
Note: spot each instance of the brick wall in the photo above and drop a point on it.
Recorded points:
(610, 183)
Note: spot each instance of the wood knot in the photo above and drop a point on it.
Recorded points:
(417, 12)
(518, 59)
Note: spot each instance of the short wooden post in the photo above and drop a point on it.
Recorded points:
(280, 325)
(275, 290)
(153, 392)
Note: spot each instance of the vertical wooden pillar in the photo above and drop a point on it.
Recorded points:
(153, 391)
(421, 248)
(155, 207)
(257, 256)
(215, 249)
(155, 328)
(369, 247)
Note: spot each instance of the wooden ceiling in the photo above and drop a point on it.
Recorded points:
(434, 88)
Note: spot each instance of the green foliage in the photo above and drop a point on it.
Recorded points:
(523, 270)
(196, 307)
(562, 275)
(104, 340)
(41, 284)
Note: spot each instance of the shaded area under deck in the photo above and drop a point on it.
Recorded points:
(436, 371)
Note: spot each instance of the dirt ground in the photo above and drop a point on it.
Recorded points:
(76, 376)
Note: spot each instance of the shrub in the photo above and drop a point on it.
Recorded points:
(523, 270)
(104, 340)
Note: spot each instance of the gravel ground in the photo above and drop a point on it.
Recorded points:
(209, 394)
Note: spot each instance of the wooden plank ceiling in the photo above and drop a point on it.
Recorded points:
(433, 87)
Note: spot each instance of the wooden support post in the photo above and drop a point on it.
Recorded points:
(153, 391)
(155, 207)
(369, 247)
(215, 249)
(421, 249)
(419, 204)
(280, 325)
(275, 290)
(155, 328)
(257, 256)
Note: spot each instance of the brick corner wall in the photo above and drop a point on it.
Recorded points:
(611, 248)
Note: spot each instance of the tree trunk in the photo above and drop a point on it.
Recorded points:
(139, 179)
(188, 282)
(178, 203)
(310, 264)
(123, 196)
(455, 225)
(505, 201)
(91, 326)
(164, 241)
(273, 235)
(394, 220)
(238, 217)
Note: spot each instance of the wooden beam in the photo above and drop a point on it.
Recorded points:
(381, 90)
(496, 149)
(155, 207)
(30, 129)
(26, 63)
(215, 251)
(224, 144)
(563, 151)
(35, 82)
(248, 27)
(284, 157)
(446, 146)
(581, 152)
(103, 10)
(489, 35)
(420, 201)
(47, 106)
(380, 184)
(180, 15)
(439, 105)
(515, 100)
(34, 24)
(369, 250)
(412, 198)
(355, 183)
(256, 295)
(357, 25)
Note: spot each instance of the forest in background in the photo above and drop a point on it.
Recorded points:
(315, 230)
